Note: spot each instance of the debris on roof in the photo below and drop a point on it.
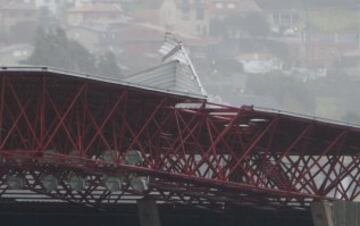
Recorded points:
(176, 73)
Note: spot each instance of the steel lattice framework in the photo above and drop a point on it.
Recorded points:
(194, 152)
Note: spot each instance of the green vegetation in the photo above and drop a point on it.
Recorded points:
(287, 91)
(333, 19)
(254, 24)
(334, 96)
(352, 117)
(54, 49)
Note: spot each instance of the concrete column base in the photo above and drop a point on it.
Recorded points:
(322, 214)
(148, 213)
(339, 213)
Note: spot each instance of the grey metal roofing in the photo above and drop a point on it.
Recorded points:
(173, 49)
(171, 92)
(173, 75)
(176, 73)
(108, 79)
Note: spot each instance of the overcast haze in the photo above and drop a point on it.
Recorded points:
(301, 56)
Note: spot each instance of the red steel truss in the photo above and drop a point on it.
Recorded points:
(194, 152)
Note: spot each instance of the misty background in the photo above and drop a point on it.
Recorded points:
(301, 56)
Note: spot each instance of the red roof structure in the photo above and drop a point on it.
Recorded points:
(101, 142)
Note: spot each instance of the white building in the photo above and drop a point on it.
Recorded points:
(51, 5)
(189, 17)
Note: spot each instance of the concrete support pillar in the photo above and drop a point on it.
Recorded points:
(148, 213)
(339, 213)
(346, 213)
(322, 214)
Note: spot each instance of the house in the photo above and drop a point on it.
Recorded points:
(51, 5)
(95, 14)
(226, 7)
(84, 2)
(284, 17)
(185, 16)
(16, 12)
(259, 62)
(181, 17)
(94, 39)
(12, 55)
(139, 44)
(319, 33)
(148, 12)
(229, 16)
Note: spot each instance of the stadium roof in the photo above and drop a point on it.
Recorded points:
(173, 76)
(131, 83)
(176, 72)
(180, 94)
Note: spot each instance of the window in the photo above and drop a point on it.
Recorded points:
(185, 10)
(204, 30)
(28, 14)
(185, 7)
(12, 14)
(295, 18)
(198, 29)
(186, 15)
(112, 15)
(231, 6)
(200, 13)
(219, 5)
(276, 18)
(285, 19)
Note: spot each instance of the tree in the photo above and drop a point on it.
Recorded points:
(352, 117)
(54, 49)
(256, 24)
(284, 89)
(333, 19)
(17, 31)
(107, 64)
